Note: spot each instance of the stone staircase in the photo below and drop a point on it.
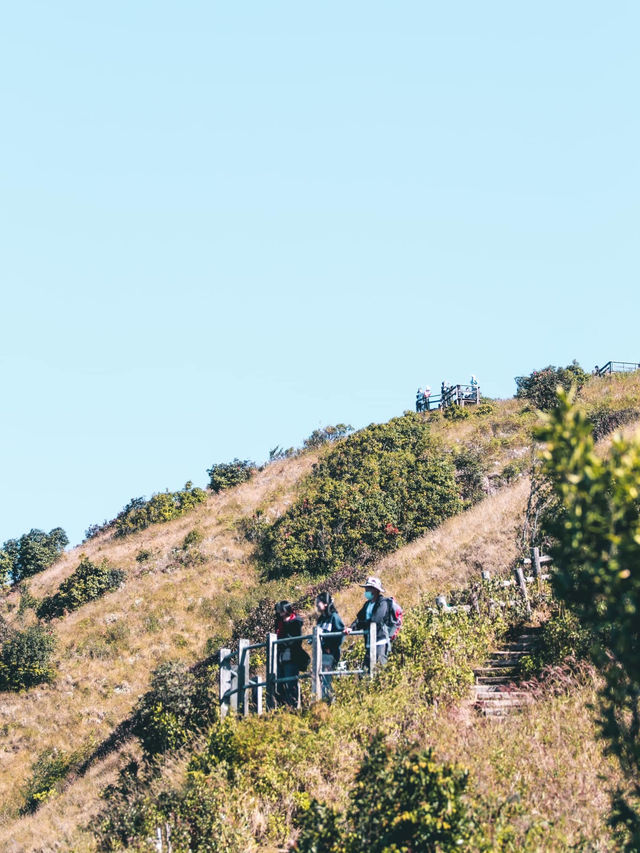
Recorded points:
(496, 691)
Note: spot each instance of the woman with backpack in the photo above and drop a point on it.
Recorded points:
(291, 656)
(378, 610)
(329, 622)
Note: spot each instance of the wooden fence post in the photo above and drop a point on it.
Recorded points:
(373, 649)
(243, 677)
(224, 681)
(537, 569)
(316, 664)
(272, 670)
(523, 587)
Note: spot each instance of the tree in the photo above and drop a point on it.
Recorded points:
(31, 553)
(597, 552)
(540, 386)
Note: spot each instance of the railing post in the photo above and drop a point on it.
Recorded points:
(272, 670)
(373, 649)
(257, 696)
(316, 664)
(523, 587)
(233, 699)
(224, 681)
(537, 569)
(243, 677)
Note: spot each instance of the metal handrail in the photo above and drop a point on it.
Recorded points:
(618, 367)
(239, 681)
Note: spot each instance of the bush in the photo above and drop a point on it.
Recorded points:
(31, 553)
(562, 636)
(177, 704)
(47, 773)
(605, 419)
(88, 582)
(372, 493)
(224, 475)
(439, 650)
(25, 658)
(540, 386)
(456, 413)
(139, 514)
(470, 473)
(327, 434)
(402, 800)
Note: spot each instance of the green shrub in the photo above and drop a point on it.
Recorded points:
(327, 434)
(177, 704)
(484, 409)
(402, 800)
(438, 651)
(31, 553)
(276, 453)
(25, 658)
(562, 636)
(540, 386)
(373, 492)
(202, 816)
(597, 555)
(139, 514)
(47, 774)
(470, 474)
(224, 475)
(456, 413)
(605, 419)
(88, 582)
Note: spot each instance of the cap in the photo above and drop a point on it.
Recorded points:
(375, 583)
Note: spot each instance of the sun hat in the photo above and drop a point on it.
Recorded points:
(375, 583)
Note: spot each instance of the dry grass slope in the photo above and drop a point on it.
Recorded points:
(108, 648)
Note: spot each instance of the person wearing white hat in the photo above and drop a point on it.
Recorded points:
(374, 610)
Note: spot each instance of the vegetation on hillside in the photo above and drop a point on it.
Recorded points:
(253, 796)
(596, 533)
(371, 493)
(25, 657)
(33, 552)
(88, 582)
(540, 386)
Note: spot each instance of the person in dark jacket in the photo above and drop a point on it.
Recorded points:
(288, 624)
(374, 610)
(329, 622)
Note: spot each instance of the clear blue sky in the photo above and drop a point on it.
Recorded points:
(226, 224)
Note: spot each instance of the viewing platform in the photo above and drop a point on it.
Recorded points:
(616, 367)
(452, 395)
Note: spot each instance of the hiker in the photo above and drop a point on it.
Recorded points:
(376, 609)
(419, 399)
(426, 394)
(474, 387)
(329, 622)
(291, 656)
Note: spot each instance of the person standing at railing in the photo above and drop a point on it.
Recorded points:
(374, 610)
(419, 399)
(329, 622)
(475, 387)
(291, 656)
(426, 394)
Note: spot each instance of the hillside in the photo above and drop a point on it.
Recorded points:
(174, 606)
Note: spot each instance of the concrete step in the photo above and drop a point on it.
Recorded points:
(493, 679)
(495, 662)
(496, 670)
(506, 651)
